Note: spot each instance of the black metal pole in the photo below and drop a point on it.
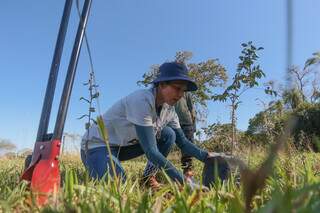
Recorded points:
(66, 93)
(47, 104)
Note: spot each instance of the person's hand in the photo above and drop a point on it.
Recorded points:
(217, 154)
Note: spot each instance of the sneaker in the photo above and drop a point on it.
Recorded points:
(153, 183)
(188, 174)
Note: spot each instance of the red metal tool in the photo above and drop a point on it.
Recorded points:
(43, 172)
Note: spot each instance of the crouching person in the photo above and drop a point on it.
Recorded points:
(144, 122)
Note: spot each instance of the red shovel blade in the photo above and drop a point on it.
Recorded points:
(43, 172)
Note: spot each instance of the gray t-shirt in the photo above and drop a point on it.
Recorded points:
(136, 108)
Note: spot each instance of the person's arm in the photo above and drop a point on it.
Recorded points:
(189, 148)
(149, 145)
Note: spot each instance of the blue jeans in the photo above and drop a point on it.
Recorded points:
(97, 160)
(186, 160)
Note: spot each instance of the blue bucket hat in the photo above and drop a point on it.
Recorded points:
(172, 71)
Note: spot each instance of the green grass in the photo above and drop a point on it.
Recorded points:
(293, 186)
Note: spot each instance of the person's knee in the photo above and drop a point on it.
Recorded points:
(96, 162)
(168, 135)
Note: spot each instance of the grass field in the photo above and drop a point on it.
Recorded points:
(293, 186)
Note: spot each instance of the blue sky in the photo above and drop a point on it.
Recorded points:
(127, 37)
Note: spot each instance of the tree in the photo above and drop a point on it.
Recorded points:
(246, 77)
(305, 86)
(308, 125)
(302, 77)
(7, 145)
(265, 125)
(301, 80)
(315, 96)
(208, 75)
(310, 63)
(218, 137)
(314, 60)
(295, 102)
(25, 152)
(292, 98)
